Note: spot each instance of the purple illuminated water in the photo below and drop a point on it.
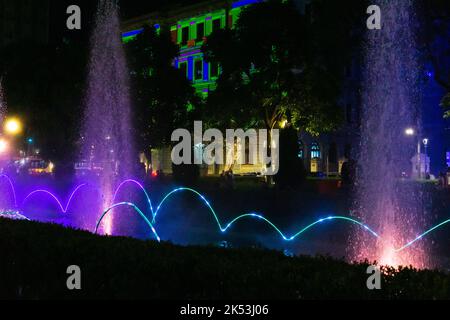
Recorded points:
(385, 202)
(107, 142)
(3, 110)
(390, 102)
(3, 107)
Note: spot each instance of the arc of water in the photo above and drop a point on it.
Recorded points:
(45, 192)
(422, 235)
(142, 215)
(72, 195)
(303, 230)
(4, 176)
(211, 209)
(54, 197)
(254, 215)
(171, 193)
(149, 201)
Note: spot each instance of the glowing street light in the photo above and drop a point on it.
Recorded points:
(410, 131)
(13, 126)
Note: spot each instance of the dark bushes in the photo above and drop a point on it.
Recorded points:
(34, 259)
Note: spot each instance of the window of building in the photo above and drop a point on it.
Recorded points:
(215, 25)
(183, 68)
(200, 31)
(214, 72)
(198, 69)
(184, 36)
(315, 151)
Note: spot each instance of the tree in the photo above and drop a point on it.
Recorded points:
(277, 64)
(292, 171)
(434, 38)
(162, 94)
(277, 61)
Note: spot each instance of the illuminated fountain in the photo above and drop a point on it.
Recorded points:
(107, 146)
(389, 227)
(3, 108)
(3, 142)
(384, 202)
(150, 214)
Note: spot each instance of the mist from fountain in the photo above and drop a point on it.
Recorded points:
(3, 111)
(106, 133)
(3, 106)
(385, 201)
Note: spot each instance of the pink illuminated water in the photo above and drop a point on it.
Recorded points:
(384, 201)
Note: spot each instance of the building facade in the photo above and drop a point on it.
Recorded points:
(189, 27)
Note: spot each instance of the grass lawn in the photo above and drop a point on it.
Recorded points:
(35, 257)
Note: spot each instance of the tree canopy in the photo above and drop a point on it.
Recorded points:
(436, 45)
(161, 93)
(277, 64)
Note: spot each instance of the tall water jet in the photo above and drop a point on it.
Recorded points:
(3, 108)
(106, 136)
(385, 201)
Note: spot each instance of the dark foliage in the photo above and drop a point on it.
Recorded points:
(35, 258)
(186, 174)
(277, 61)
(160, 92)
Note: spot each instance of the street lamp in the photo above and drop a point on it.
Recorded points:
(13, 126)
(410, 131)
(425, 143)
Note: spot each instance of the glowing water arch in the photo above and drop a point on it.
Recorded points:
(4, 176)
(140, 187)
(258, 216)
(422, 235)
(132, 205)
(211, 209)
(54, 197)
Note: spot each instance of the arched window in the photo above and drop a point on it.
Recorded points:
(315, 150)
(301, 149)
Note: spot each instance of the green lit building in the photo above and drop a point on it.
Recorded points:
(189, 28)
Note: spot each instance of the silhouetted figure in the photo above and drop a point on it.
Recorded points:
(348, 172)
